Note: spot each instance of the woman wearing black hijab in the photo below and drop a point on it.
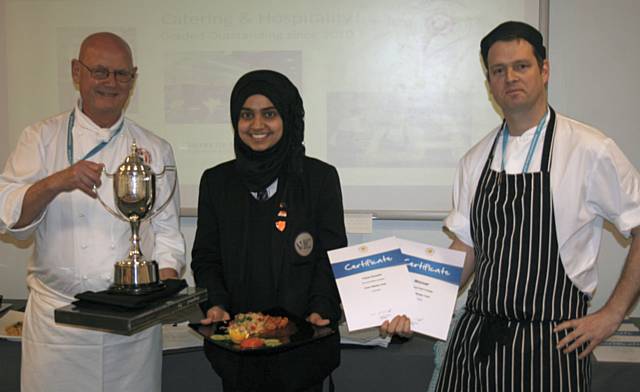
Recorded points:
(265, 222)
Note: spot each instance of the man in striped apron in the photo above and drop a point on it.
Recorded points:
(529, 202)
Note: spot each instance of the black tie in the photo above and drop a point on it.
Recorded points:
(263, 195)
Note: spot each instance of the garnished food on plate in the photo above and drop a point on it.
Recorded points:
(254, 330)
(14, 329)
(237, 334)
(272, 342)
(257, 323)
(252, 343)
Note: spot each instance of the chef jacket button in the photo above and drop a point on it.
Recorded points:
(85, 277)
(113, 246)
(83, 246)
(81, 215)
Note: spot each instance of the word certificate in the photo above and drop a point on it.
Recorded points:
(373, 281)
(435, 275)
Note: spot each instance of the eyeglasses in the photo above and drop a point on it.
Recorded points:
(102, 73)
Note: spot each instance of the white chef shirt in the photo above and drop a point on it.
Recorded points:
(591, 180)
(77, 240)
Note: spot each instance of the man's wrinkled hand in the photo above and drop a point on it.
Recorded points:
(168, 273)
(82, 175)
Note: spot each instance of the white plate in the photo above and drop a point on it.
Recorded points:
(10, 318)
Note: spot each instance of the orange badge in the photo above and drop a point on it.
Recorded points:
(281, 222)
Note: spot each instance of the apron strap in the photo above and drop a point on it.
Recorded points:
(487, 163)
(547, 149)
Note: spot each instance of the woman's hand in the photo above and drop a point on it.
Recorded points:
(317, 320)
(214, 315)
(400, 325)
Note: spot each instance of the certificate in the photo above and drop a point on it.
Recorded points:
(435, 274)
(373, 281)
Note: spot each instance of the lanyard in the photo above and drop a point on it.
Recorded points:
(532, 146)
(95, 150)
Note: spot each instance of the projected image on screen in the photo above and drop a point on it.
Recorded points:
(394, 91)
(371, 130)
(198, 84)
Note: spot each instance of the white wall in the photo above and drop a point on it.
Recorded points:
(593, 52)
(594, 55)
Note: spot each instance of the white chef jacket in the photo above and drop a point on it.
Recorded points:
(77, 243)
(591, 180)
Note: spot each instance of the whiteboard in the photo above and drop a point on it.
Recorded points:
(394, 91)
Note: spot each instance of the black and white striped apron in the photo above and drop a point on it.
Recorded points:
(505, 339)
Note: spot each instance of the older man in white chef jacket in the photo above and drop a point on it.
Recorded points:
(46, 189)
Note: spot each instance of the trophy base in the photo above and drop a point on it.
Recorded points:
(136, 290)
(136, 277)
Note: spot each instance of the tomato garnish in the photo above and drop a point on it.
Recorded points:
(252, 343)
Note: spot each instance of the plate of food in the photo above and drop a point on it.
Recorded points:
(11, 326)
(273, 330)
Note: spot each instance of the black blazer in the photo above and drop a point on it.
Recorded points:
(305, 283)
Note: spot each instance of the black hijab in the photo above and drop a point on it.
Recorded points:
(259, 169)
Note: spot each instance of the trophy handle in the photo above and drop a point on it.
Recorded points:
(169, 168)
(109, 209)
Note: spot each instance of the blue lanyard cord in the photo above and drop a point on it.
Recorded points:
(95, 150)
(532, 146)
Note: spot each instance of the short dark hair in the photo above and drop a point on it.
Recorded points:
(509, 31)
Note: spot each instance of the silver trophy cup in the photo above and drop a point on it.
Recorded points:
(134, 192)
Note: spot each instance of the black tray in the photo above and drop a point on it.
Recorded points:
(298, 332)
(130, 321)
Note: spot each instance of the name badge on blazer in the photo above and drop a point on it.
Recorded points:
(303, 244)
